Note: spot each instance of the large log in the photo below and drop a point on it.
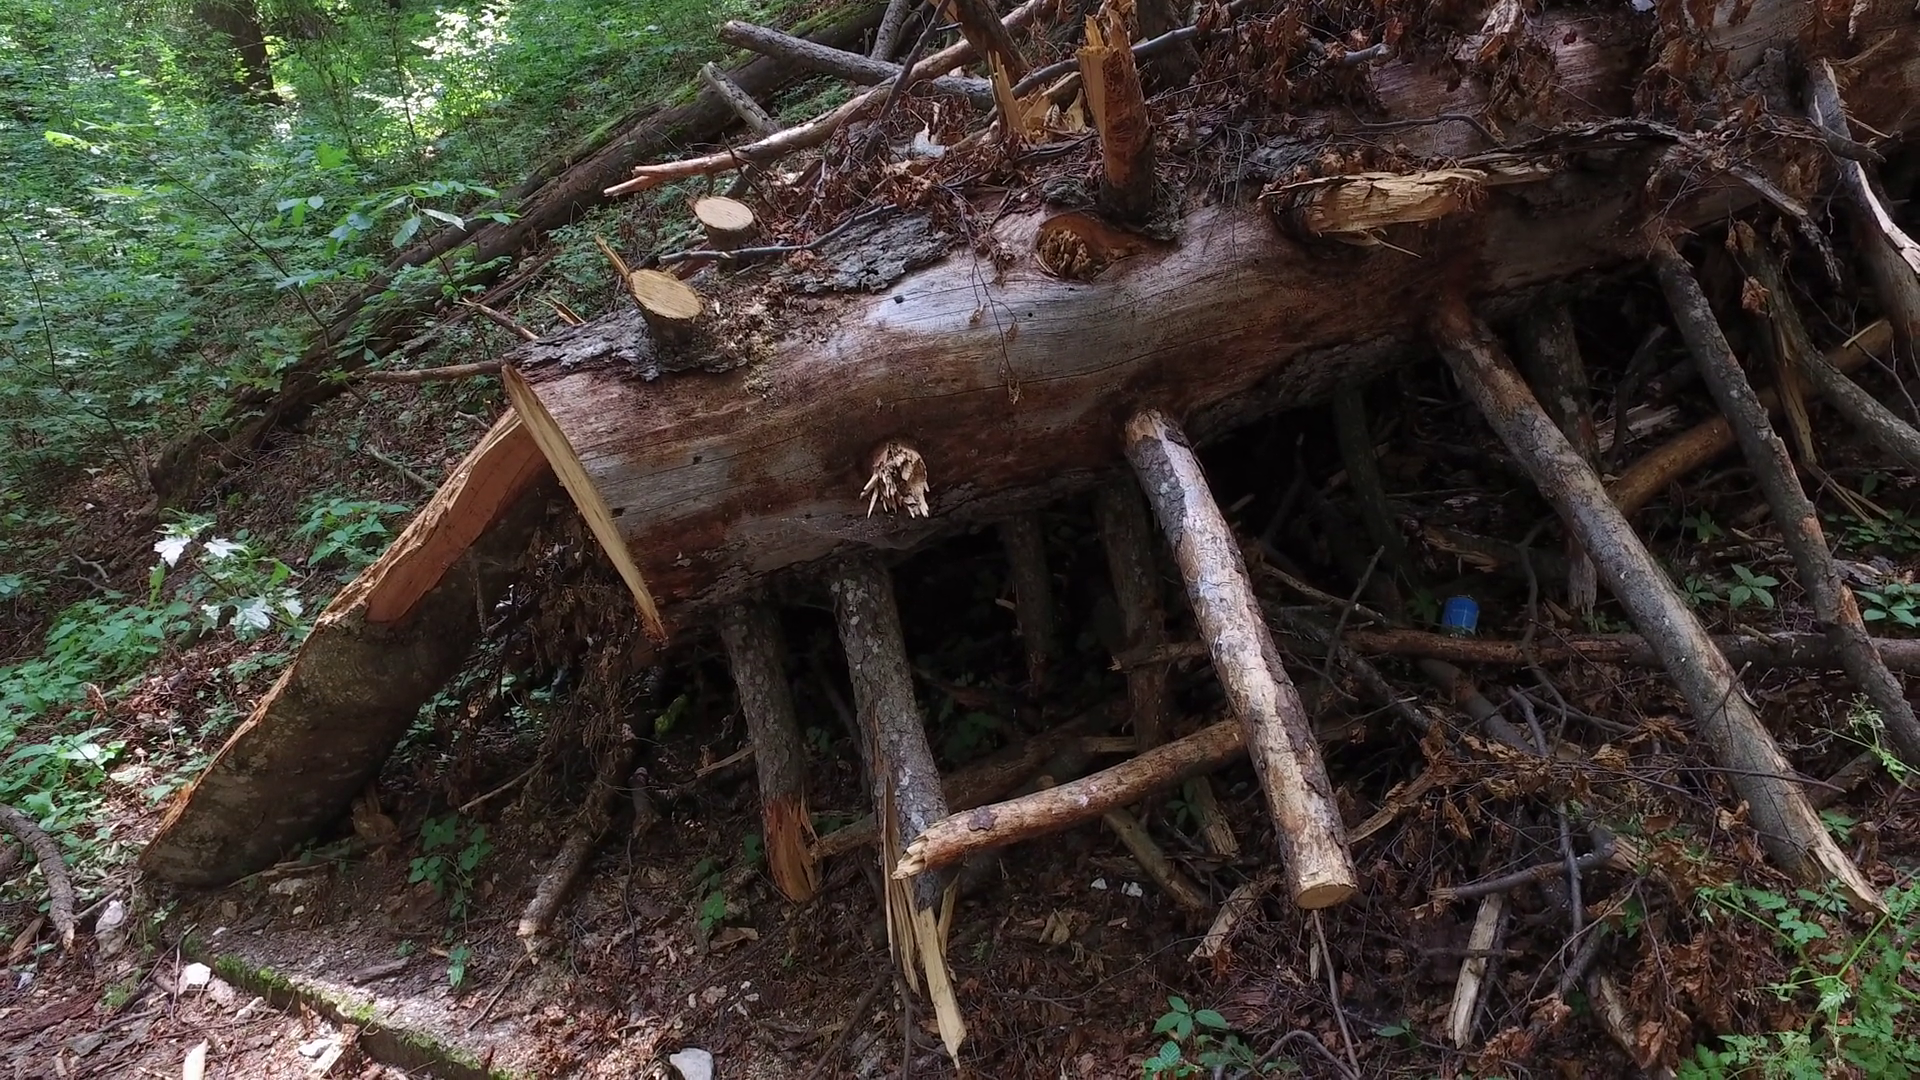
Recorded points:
(1010, 382)
(388, 642)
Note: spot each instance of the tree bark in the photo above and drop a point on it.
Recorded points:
(1125, 532)
(1279, 737)
(385, 644)
(1758, 771)
(757, 657)
(951, 839)
(238, 21)
(1793, 513)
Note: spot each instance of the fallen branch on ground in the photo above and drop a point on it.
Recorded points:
(53, 868)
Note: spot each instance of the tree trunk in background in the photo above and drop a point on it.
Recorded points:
(238, 21)
(559, 191)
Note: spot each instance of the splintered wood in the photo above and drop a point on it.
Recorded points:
(1120, 115)
(905, 781)
(1279, 738)
(757, 657)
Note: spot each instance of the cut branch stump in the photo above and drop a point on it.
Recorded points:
(1279, 738)
(1119, 106)
(1792, 832)
(728, 223)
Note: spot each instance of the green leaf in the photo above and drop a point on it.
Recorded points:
(441, 215)
(1207, 1018)
(1178, 1004)
(406, 230)
(329, 157)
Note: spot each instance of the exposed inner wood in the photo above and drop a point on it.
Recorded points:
(756, 656)
(385, 644)
(729, 224)
(553, 444)
(1120, 115)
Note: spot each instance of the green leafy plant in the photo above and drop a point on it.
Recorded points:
(1897, 603)
(1198, 1042)
(1701, 590)
(349, 530)
(1751, 588)
(1869, 729)
(457, 959)
(1705, 530)
(232, 585)
(450, 856)
(1855, 991)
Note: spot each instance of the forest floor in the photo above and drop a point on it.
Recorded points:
(389, 948)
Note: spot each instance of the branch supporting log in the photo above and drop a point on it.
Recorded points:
(1833, 603)
(1694, 448)
(987, 781)
(1026, 549)
(1279, 738)
(1892, 257)
(757, 657)
(1050, 810)
(1552, 360)
(1865, 412)
(1119, 106)
(1126, 534)
(1727, 722)
(907, 796)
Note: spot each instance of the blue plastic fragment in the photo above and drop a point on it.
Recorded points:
(1461, 615)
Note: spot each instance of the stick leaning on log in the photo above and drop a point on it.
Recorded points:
(1833, 603)
(1790, 829)
(1319, 871)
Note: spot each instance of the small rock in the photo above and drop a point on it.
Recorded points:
(110, 929)
(194, 977)
(693, 1064)
(82, 1045)
(222, 993)
(1132, 888)
(313, 1048)
(1100, 883)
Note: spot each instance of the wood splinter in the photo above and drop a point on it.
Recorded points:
(751, 634)
(728, 223)
(898, 480)
(1279, 737)
(1756, 769)
(906, 787)
(1119, 114)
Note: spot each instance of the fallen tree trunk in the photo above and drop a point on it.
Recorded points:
(1004, 378)
(994, 386)
(383, 646)
(559, 191)
(1798, 650)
